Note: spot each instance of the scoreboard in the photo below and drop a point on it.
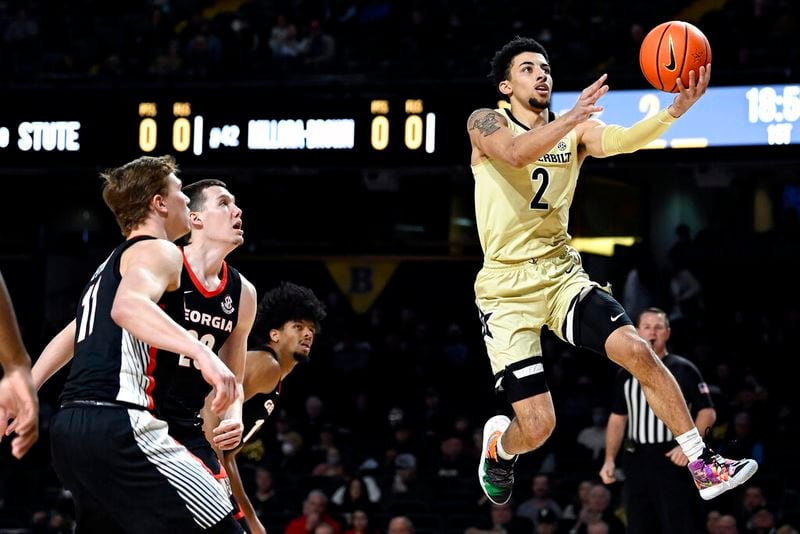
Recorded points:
(317, 125)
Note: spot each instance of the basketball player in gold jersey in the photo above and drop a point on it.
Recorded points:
(526, 162)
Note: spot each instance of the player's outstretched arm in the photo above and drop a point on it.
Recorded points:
(601, 140)
(18, 398)
(491, 137)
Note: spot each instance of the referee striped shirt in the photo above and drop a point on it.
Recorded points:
(644, 427)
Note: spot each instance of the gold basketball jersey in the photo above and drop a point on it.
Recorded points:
(523, 213)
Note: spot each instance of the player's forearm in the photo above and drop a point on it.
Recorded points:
(234, 411)
(143, 318)
(237, 488)
(620, 140)
(54, 356)
(533, 144)
(12, 350)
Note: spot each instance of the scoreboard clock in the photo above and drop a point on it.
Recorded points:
(318, 125)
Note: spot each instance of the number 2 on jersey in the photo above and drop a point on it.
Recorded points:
(207, 340)
(540, 173)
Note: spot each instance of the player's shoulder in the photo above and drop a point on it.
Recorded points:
(263, 371)
(247, 286)
(155, 251)
(482, 116)
(159, 245)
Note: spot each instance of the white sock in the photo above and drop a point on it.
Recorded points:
(691, 443)
(501, 452)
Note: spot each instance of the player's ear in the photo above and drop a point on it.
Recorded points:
(274, 335)
(505, 87)
(194, 219)
(158, 202)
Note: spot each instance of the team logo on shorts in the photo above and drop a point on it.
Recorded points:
(227, 304)
(485, 324)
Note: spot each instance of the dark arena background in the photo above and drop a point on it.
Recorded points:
(340, 126)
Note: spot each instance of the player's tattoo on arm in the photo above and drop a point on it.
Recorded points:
(485, 120)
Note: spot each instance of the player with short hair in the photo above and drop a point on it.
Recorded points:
(526, 162)
(125, 472)
(219, 309)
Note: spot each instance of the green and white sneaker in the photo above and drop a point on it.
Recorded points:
(495, 474)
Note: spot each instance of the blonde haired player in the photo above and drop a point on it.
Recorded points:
(526, 161)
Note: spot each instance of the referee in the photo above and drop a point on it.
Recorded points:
(655, 493)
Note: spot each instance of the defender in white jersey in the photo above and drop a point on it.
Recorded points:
(124, 471)
(526, 163)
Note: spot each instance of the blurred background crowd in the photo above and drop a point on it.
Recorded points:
(386, 420)
(442, 39)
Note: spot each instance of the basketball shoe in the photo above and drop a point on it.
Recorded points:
(714, 475)
(495, 474)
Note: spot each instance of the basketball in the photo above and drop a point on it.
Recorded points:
(670, 51)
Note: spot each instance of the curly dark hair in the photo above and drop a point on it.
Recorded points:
(287, 302)
(501, 62)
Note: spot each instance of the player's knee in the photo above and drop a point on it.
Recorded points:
(637, 356)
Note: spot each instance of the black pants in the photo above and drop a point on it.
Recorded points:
(197, 444)
(127, 474)
(660, 497)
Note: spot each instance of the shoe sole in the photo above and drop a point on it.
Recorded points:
(740, 478)
(490, 426)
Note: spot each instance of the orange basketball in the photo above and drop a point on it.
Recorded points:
(671, 50)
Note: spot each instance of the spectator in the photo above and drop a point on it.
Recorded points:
(546, 521)
(360, 523)
(318, 47)
(315, 512)
(400, 525)
(540, 498)
(502, 519)
(357, 493)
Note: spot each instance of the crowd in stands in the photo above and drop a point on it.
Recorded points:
(258, 40)
(386, 420)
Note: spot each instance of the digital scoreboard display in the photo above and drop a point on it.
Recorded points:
(312, 126)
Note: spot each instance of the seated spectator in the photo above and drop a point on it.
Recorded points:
(357, 493)
(546, 521)
(315, 512)
(540, 498)
(597, 508)
(400, 525)
(360, 523)
(502, 519)
(319, 46)
(264, 497)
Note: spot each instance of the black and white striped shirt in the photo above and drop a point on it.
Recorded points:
(643, 425)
